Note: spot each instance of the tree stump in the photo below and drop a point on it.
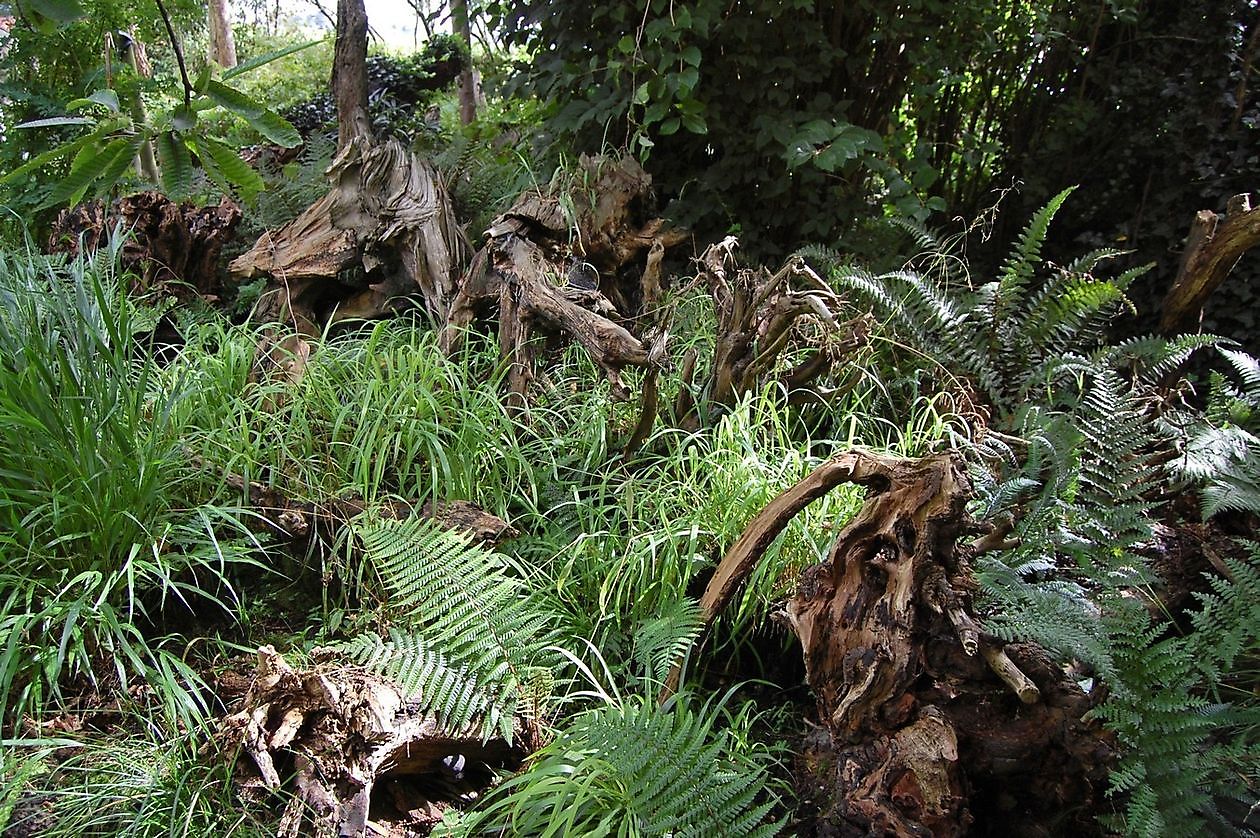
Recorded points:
(926, 724)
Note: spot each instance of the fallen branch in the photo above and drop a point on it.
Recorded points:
(1213, 247)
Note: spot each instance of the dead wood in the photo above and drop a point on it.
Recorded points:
(922, 716)
(291, 519)
(382, 238)
(170, 247)
(763, 318)
(353, 750)
(578, 262)
(1213, 247)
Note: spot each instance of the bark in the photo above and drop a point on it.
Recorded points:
(173, 248)
(762, 317)
(467, 82)
(1213, 247)
(383, 236)
(222, 41)
(349, 73)
(352, 748)
(593, 277)
(926, 724)
(292, 519)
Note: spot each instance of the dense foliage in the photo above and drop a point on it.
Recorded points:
(135, 569)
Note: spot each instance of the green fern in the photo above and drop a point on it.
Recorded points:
(1009, 336)
(663, 641)
(636, 769)
(472, 646)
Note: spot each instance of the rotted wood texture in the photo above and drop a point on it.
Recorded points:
(353, 752)
(1213, 247)
(926, 724)
(383, 238)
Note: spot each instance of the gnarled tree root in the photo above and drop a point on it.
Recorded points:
(926, 724)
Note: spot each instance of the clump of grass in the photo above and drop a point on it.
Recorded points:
(98, 534)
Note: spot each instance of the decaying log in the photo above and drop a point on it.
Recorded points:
(926, 723)
(591, 274)
(759, 319)
(383, 237)
(341, 735)
(1213, 247)
(293, 519)
(170, 247)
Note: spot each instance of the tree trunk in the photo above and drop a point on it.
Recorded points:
(467, 80)
(1213, 247)
(349, 73)
(222, 41)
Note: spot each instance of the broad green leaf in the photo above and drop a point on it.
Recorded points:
(54, 121)
(62, 11)
(177, 171)
(670, 126)
(255, 63)
(48, 157)
(183, 118)
(203, 79)
(691, 55)
(259, 117)
(110, 176)
(233, 168)
(106, 97)
(89, 165)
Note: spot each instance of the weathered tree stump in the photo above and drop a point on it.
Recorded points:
(1213, 247)
(352, 751)
(169, 247)
(926, 724)
(383, 238)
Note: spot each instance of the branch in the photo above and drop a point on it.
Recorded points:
(1213, 247)
(179, 54)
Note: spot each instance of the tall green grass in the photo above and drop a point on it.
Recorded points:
(97, 532)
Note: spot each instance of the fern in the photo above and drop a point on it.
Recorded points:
(472, 646)
(636, 769)
(662, 641)
(1010, 335)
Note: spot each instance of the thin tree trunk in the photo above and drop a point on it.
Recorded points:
(349, 75)
(467, 82)
(222, 42)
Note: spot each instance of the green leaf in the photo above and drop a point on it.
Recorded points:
(177, 172)
(670, 126)
(48, 157)
(54, 121)
(641, 94)
(255, 63)
(183, 118)
(88, 166)
(115, 170)
(695, 123)
(233, 168)
(260, 118)
(62, 11)
(692, 55)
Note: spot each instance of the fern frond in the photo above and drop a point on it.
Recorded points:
(661, 642)
(475, 644)
(1017, 271)
(639, 769)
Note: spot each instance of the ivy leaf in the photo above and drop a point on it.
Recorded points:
(177, 172)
